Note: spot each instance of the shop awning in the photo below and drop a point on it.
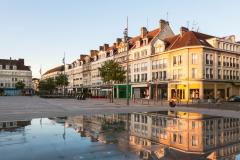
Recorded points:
(139, 85)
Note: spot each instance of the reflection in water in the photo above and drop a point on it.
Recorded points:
(156, 135)
(182, 135)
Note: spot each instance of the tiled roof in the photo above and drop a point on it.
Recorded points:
(82, 56)
(56, 69)
(19, 63)
(189, 38)
(150, 35)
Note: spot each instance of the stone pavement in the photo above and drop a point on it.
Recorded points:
(25, 108)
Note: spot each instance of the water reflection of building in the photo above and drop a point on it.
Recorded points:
(13, 125)
(187, 133)
(98, 127)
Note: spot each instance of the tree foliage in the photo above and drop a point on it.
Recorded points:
(61, 80)
(112, 71)
(20, 85)
(48, 85)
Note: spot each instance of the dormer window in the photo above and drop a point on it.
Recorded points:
(14, 67)
(7, 67)
(95, 58)
(111, 53)
(0, 66)
(145, 41)
(138, 44)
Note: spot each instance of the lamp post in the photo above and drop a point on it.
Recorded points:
(125, 33)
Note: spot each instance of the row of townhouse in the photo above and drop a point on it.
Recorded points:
(163, 65)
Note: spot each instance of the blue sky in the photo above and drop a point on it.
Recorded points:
(40, 31)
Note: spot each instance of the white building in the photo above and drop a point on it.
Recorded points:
(13, 71)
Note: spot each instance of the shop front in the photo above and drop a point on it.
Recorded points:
(141, 91)
(159, 91)
(185, 91)
(120, 91)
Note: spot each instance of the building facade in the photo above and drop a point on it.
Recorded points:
(13, 71)
(163, 65)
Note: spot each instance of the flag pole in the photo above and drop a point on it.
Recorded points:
(127, 78)
(64, 73)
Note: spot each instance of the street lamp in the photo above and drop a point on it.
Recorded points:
(125, 33)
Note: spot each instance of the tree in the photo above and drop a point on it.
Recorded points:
(47, 85)
(61, 80)
(1, 91)
(112, 71)
(20, 85)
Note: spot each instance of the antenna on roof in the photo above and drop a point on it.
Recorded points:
(167, 16)
(198, 29)
(147, 22)
(187, 24)
(194, 25)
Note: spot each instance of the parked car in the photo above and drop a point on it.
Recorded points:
(234, 99)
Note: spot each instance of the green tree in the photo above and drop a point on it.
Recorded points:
(20, 85)
(62, 80)
(112, 71)
(1, 91)
(47, 85)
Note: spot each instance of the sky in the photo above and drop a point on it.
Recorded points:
(40, 31)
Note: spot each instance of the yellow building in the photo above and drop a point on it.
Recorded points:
(198, 65)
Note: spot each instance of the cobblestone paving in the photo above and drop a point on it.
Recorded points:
(21, 108)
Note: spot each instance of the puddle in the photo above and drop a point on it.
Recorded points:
(154, 135)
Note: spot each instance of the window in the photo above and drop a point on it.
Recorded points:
(180, 138)
(174, 137)
(180, 73)
(174, 74)
(0, 66)
(144, 53)
(7, 67)
(207, 73)
(194, 140)
(193, 125)
(209, 59)
(219, 61)
(219, 74)
(179, 59)
(194, 72)
(136, 55)
(164, 75)
(211, 73)
(194, 58)
(165, 63)
(174, 60)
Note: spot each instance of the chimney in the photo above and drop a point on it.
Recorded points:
(162, 24)
(144, 31)
(118, 40)
(93, 52)
(183, 30)
(100, 48)
(21, 60)
(106, 46)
